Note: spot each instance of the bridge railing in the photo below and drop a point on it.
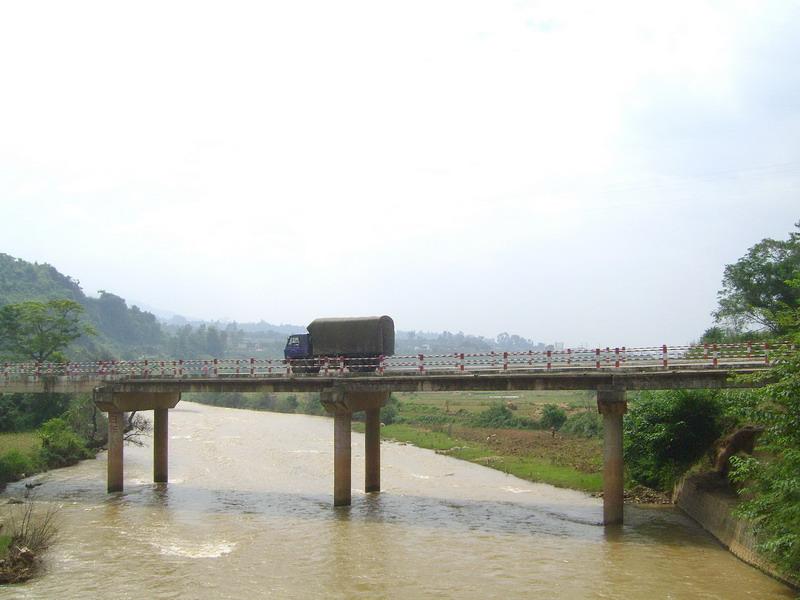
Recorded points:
(649, 357)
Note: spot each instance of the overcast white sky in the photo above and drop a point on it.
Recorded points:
(576, 172)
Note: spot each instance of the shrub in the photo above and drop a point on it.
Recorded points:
(665, 432)
(772, 482)
(312, 405)
(14, 464)
(60, 445)
(587, 423)
(552, 416)
(499, 416)
(389, 414)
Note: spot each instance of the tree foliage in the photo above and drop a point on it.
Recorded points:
(666, 432)
(40, 331)
(771, 478)
(756, 290)
(552, 416)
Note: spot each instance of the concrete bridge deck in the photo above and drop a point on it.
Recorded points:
(346, 387)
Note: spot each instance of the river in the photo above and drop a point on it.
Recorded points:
(248, 514)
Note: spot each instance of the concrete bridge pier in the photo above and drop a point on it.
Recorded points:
(342, 404)
(160, 445)
(342, 482)
(611, 403)
(116, 405)
(372, 450)
(116, 428)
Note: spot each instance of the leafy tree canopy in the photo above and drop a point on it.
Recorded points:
(756, 289)
(772, 484)
(40, 331)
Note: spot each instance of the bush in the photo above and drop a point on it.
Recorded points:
(665, 432)
(311, 405)
(772, 482)
(61, 446)
(552, 417)
(499, 416)
(587, 423)
(14, 465)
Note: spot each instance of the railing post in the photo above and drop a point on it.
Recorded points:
(505, 361)
(766, 353)
(461, 362)
(664, 356)
(252, 367)
(597, 358)
(715, 362)
(549, 360)
(421, 362)
(616, 358)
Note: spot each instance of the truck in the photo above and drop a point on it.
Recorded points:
(360, 341)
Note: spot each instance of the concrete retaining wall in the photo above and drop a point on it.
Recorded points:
(712, 508)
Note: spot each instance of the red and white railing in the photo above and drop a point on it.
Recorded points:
(741, 355)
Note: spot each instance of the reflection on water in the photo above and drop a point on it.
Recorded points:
(248, 512)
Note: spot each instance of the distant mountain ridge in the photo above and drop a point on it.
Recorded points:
(130, 332)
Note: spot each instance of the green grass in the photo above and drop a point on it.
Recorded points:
(527, 402)
(27, 442)
(524, 467)
(5, 542)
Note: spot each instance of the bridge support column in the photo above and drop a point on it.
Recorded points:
(116, 404)
(372, 450)
(612, 405)
(160, 445)
(116, 427)
(341, 458)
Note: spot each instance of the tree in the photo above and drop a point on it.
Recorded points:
(756, 289)
(667, 431)
(40, 331)
(772, 480)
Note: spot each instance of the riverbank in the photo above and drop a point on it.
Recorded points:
(711, 501)
(536, 456)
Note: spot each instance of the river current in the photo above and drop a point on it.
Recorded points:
(248, 514)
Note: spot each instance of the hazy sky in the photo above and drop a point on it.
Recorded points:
(578, 172)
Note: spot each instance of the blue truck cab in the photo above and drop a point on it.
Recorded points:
(298, 345)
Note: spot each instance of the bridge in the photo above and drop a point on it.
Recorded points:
(349, 385)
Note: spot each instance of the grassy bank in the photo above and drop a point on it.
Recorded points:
(498, 450)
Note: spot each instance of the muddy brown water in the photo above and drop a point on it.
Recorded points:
(247, 514)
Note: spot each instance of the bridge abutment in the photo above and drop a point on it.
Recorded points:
(611, 403)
